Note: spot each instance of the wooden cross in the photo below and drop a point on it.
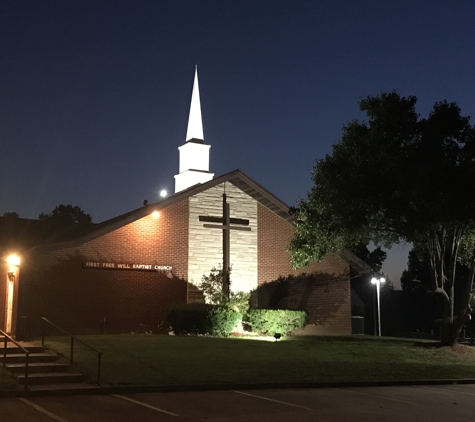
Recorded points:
(226, 226)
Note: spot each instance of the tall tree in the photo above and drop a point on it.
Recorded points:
(420, 305)
(398, 177)
(417, 276)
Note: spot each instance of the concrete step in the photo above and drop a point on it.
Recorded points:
(33, 357)
(51, 378)
(37, 367)
(44, 372)
(62, 387)
(13, 348)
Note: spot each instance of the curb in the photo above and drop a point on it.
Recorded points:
(129, 389)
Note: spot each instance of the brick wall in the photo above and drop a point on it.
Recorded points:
(55, 283)
(322, 289)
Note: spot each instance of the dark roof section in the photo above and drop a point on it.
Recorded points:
(16, 232)
(261, 194)
(23, 233)
(358, 266)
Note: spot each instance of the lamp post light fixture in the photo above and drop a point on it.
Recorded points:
(378, 281)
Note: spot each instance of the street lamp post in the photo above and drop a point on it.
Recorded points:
(378, 281)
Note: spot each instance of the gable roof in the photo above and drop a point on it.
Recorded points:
(236, 177)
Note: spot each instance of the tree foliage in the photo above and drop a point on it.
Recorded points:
(398, 177)
(212, 286)
(67, 214)
(11, 214)
(374, 258)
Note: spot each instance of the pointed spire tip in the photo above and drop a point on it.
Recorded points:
(195, 125)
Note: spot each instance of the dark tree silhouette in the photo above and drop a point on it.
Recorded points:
(399, 177)
(67, 214)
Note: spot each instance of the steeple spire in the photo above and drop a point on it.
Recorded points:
(195, 124)
(194, 154)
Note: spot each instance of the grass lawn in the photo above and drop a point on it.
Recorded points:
(160, 359)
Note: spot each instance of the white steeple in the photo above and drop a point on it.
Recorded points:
(195, 125)
(194, 154)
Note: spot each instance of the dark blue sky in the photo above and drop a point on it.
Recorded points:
(94, 95)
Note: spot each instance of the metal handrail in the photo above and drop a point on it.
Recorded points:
(73, 338)
(26, 351)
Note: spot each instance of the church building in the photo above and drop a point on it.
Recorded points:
(119, 276)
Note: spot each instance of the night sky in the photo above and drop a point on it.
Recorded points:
(95, 95)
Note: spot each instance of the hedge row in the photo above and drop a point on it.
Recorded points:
(272, 321)
(204, 319)
(200, 318)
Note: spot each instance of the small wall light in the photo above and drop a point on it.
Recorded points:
(13, 260)
(155, 214)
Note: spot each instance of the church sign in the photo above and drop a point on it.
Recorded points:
(125, 266)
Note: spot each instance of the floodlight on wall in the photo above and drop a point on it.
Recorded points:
(155, 214)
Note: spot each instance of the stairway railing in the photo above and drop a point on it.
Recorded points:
(73, 339)
(27, 354)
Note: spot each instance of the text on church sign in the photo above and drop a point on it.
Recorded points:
(126, 266)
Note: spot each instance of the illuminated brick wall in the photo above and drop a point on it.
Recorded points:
(56, 285)
(322, 289)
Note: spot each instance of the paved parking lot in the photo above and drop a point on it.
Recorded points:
(365, 404)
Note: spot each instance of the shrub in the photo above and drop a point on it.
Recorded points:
(212, 286)
(222, 320)
(272, 321)
(188, 318)
(239, 301)
(202, 319)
